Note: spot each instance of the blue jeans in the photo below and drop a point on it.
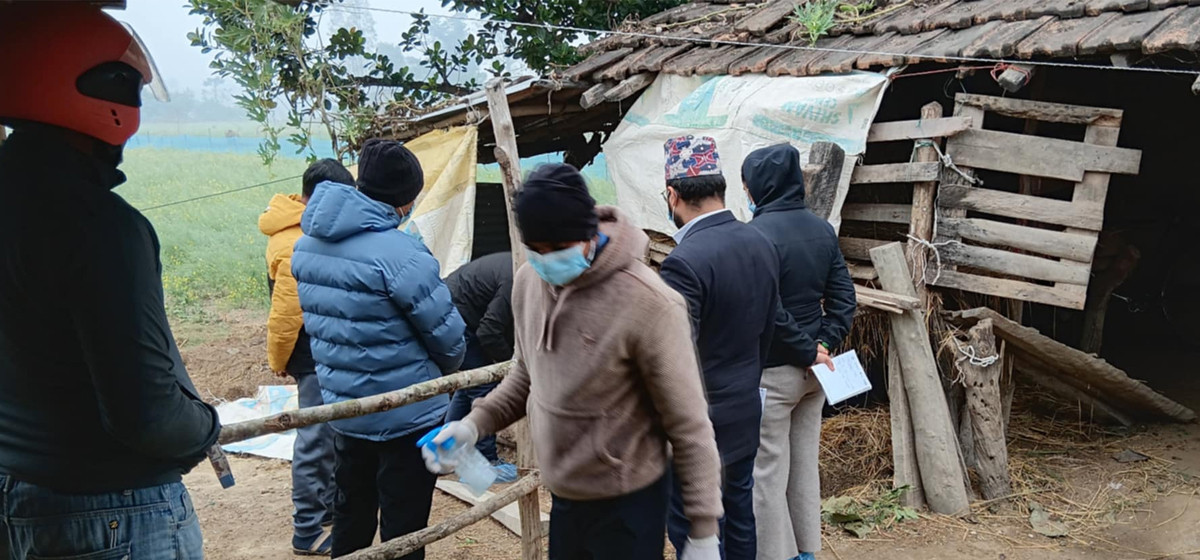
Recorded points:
(156, 523)
(313, 491)
(460, 403)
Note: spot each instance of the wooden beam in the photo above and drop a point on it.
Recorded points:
(1015, 264)
(1040, 110)
(510, 173)
(886, 213)
(1084, 215)
(987, 413)
(354, 408)
(942, 474)
(1003, 287)
(629, 87)
(932, 127)
(896, 173)
(1091, 407)
(1039, 156)
(862, 272)
(822, 188)
(905, 470)
(898, 301)
(594, 95)
(859, 249)
(412, 542)
(509, 516)
(1117, 387)
(1074, 246)
(921, 211)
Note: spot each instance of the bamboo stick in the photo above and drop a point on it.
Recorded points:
(407, 544)
(292, 419)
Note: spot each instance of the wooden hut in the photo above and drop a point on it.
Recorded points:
(1058, 193)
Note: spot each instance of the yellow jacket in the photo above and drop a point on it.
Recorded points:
(281, 222)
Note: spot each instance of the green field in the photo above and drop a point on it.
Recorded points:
(212, 251)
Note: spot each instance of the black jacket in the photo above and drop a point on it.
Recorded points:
(93, 394)
(728, 273)
(482, 292)
(812, 270)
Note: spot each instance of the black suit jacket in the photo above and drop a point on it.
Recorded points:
(729, 274)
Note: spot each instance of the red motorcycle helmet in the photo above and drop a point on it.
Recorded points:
(71, 65)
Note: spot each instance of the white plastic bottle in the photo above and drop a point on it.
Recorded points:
(473, 469)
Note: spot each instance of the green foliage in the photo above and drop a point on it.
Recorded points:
(276, 54)
(818, 17)
(860, 518)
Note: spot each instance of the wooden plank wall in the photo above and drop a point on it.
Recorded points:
(1025, 246)
(901, 175)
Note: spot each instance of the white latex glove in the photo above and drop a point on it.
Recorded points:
(707, 548)
(440, 446)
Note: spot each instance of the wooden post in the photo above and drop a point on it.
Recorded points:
(509, 159)
(905, 471)
(407, 544)
(821, 188)
(987, 414)
(936, 445)
(921, 224)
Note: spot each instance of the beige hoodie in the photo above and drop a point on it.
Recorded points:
(607, 372)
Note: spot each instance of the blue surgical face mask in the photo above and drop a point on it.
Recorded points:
(752, 206)
(563, 266)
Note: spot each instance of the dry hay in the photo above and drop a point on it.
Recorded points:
(856, 451)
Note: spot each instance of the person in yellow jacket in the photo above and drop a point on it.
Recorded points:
(288, 353)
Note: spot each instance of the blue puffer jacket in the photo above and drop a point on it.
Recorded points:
(378, 314)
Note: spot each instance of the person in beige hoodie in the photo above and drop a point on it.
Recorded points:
(606, 370)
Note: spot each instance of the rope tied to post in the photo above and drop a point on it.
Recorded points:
(937, 256)
(945, 160)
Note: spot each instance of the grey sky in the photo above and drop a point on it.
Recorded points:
(164, 24)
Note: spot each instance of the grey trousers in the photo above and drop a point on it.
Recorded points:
(787, 465)
(313, 490)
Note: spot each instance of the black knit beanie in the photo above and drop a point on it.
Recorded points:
(389, 172)
(554, 206)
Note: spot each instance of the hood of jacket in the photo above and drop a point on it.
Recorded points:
(774, 178)
(283, 212)
(337, 211)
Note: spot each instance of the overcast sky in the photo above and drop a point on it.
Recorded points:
(164, 24)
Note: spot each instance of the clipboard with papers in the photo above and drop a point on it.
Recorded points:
(847, 380)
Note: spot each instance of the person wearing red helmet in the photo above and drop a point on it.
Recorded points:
(100, 419)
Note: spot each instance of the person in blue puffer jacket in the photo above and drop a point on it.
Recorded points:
(379, 319)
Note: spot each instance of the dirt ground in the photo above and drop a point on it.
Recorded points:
(1114, 511)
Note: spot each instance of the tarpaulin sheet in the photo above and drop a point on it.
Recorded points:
(742, 113)
(445, 212)
(270, 399)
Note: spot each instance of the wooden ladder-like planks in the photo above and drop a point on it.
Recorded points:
(1063, 234)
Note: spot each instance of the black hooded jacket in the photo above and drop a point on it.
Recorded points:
(815, 289)
(94, 397)
(482, 292)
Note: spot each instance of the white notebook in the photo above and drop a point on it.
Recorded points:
(847, 379)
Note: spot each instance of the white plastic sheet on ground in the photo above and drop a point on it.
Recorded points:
(270, 399)
(743, 113)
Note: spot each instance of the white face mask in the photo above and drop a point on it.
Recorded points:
(562, 267)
